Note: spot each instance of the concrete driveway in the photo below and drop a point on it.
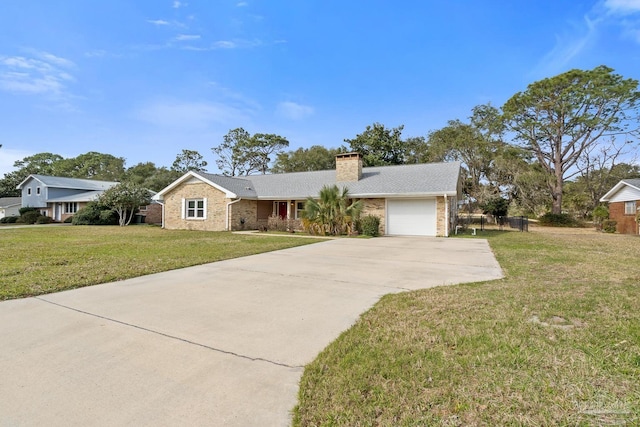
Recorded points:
(218, 344)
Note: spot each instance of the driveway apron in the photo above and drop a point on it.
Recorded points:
(218, 344)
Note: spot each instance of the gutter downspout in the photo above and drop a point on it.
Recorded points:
(161, 204)
(446, 217)
(228, 218)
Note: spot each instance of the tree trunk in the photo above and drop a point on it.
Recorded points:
(556, 193)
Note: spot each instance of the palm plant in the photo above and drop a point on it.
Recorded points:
(332, 213)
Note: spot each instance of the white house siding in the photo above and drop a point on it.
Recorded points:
(625, 194)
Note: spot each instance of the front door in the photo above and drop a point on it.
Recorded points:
(282, 210)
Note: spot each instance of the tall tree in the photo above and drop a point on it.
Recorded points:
(314, 158)
(149, 176)
(189, 160)
(92, 165)
(558, 118)
(379, 146)
(262, 147)
(41, 163)
(232, 153)
(242, 154)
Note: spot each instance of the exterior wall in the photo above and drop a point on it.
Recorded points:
(152, 214)
(348, 167)
(34, 200)
(195, 189)
(9, 211)
(375, 207)
(441, 215)
(626, 224)
(246, 210)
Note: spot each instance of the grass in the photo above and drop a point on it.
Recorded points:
(556, 342)
(39, 260)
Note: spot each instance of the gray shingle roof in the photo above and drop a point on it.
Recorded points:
(87, 196)
(634, 182)
(75, 183)
(6, 202)
(427, 179)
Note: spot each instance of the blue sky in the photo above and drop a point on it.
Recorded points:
(145, 79)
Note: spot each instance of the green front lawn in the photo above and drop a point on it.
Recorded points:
(38, 260)
(557, 342)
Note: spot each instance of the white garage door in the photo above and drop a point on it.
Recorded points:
(411, 217)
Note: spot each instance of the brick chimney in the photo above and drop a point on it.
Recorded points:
(348, 167)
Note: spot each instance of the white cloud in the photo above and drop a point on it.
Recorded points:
(293, 111)
(622, 7)
(8, 156)
(621, 16)
(189, 115)
(44, 74)
(225, 44)
(158, 22)
(179, 4)
(187, 37)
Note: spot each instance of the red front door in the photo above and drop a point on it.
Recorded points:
(282, 210)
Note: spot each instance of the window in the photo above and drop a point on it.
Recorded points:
(299, 209)
(29, 191)
(195, 208)
(630, 208)
(70, 207)
(38, 191)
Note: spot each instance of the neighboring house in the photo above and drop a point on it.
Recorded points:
(10, 206)
(624, 203)
(419, 199)
(152, 213)
(60, 198)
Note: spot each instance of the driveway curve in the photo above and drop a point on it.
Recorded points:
(217, 344)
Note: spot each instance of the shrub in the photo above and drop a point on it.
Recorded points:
(600, 213)
(95, 214)
(26, 209)
(29, 217)
(558, 220)
(370, 225)
(68, 220)
(609, 226)
(42, 219)
(9, 219)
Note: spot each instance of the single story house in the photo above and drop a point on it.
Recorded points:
(624, 205)
(58, 197)
(10, 206)
(417, 199)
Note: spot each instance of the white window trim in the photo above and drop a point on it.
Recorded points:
(299, 211)
(185, 203)
(631, 203)
(75, 209)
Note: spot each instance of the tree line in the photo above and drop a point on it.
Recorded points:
(557, 146)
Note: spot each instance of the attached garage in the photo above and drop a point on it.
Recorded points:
(411, 217)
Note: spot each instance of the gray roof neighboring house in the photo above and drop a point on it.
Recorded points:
(88, 196)
(7, 202)
(417, 180)
(74, 183)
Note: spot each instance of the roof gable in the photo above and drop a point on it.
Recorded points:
(626, 189)
(194, 175)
